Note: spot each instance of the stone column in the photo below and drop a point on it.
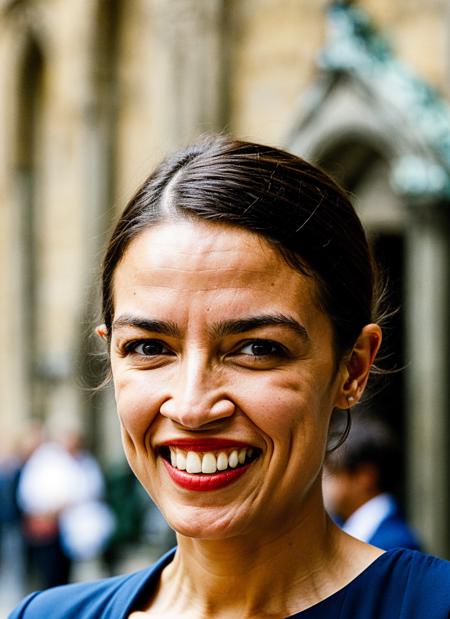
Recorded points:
(428, 374)
(191, 66)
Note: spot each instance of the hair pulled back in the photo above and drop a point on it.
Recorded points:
(294, 205)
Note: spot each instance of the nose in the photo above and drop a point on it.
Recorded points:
(197, 398)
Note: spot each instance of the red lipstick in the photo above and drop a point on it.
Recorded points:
(204, 444)
(202, 483)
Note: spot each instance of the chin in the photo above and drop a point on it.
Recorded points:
(204, 523)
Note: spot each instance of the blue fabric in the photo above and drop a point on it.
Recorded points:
(111, 598)
(393, 532)
(401, 584)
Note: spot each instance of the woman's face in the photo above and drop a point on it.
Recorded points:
(222, 362)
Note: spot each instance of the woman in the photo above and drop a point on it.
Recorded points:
(238, 298)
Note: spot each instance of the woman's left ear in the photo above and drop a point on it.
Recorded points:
(357, 366)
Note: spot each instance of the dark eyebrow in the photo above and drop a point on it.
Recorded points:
(242, 325)
(164, 327)
(220, 329)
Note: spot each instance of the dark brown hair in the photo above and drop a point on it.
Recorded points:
(294, 205)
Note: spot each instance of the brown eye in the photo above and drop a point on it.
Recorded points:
(148, 348)
(262, 348)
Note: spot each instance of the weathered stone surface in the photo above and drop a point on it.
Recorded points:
(120, 86)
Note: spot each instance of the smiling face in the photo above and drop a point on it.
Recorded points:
(224, 376)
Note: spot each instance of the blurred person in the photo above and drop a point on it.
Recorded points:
(124, 496)
(14, 555)
(12, 550)
(359, 484)
(31, 436)
(138, 522)
(59, 491)
(239, 311)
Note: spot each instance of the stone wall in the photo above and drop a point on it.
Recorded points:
(117, 85)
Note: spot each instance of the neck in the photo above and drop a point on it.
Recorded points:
(280, 572)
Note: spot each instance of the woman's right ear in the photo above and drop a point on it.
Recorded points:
(102, 331)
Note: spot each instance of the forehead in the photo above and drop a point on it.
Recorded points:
(216, 262)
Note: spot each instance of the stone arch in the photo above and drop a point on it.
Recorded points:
(363, 167)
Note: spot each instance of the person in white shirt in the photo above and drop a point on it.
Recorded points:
(59, 492)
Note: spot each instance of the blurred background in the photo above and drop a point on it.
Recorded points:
(95, 92)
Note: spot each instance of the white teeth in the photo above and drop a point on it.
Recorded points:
(193, 462)
(181, 461)
(209, 464)
(173, 457)
(233, 459)
(222, 461)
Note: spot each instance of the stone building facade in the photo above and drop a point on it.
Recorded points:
(94, 92)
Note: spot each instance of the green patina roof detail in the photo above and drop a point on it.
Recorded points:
(356, 47)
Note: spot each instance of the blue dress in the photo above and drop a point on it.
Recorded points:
(400, 584)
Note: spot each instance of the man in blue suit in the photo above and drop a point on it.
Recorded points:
(359, 483)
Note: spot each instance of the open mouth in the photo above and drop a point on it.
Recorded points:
(209, 462)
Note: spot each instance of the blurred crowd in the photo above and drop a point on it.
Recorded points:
(59, 510)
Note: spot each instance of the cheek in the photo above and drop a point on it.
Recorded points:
(136, 405)
(280, 409)
(287, 403)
